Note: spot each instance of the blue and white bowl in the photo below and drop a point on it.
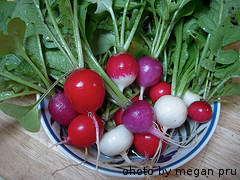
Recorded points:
(172, 157)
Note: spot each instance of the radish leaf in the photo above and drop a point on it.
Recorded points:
(12, 42)
(26, 115)
(227, 56)
(103, 5)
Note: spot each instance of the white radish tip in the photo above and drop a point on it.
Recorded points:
(124, 81)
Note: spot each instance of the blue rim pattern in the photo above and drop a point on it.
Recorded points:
(103, 170)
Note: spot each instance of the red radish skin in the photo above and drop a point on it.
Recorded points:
(85, 90)
(150, 72)
(147, 144)
(122, 69)
(60, 109)
(118, 114)
(159, 90)
(82, 131)
(200, 111)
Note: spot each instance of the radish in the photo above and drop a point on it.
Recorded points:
(200, 111)
(170, 111)
(139, 118)
(118, 114)
(85, 90)
(189, 97)
(147, 144)
(82, 130)
(150, 72)
(60, 109)
(159, 90)
(116, 141)
(122, 69)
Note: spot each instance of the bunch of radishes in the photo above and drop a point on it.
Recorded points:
(140, 124)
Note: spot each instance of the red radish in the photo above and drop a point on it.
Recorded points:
(200, 111)
(82, 130)
(150, 72)
(122, 69)
(159, 90)
(85, 90)
(118, 114)
(61, 110)
(147, 144)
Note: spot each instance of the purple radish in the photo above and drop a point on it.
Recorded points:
(150, 72)
(61, 110)
(122, 69)
(139, 118)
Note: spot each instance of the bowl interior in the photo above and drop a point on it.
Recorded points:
(172, 157)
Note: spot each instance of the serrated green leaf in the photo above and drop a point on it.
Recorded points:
(207, 24)
(233, 69)
(56, 60)
(208, 64)
(10, 61)
(162, 9)
(190, 26)
(28, 11)
(12, 42)
(226, 33)
(187, 9)
(26, 115)
(6, 10)
(227, 56)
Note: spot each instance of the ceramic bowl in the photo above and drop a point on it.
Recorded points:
(172, 157)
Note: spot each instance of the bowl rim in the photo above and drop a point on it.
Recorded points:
(110, 172)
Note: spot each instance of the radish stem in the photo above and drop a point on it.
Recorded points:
(77, 37)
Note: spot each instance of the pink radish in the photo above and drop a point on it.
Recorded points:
(60, 109)
(122, 69)
(150, 72)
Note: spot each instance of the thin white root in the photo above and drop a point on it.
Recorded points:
(142, 89)
(93, 117)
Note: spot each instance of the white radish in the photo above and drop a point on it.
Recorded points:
(170, 111)
(116, 141)
(189, 97)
